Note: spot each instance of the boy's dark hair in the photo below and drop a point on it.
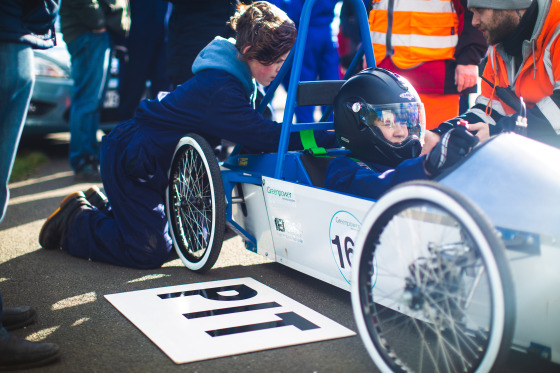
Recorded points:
(268, 31)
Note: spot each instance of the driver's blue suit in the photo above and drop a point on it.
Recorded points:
(135, 157)
(368, 179)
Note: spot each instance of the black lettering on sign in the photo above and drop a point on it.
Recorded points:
(243, 293)
(286, 319)
(237, 309)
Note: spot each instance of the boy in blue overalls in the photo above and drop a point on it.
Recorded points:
(130, 229)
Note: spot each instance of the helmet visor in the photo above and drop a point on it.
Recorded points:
(411, 115)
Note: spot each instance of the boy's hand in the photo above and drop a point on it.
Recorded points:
(453, 146)
(430, 141)
(481, 130)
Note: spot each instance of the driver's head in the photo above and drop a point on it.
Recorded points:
(379, 117)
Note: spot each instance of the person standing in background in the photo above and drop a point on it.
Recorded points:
(192, 25)
(23, 26)
(349, 38)
(87, 27)
(144, 59)
(433, 44)
(320, 56)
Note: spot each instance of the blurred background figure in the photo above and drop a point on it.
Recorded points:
(144, 58)
(87, 27)
(349, 35)
(320, 59)
(192, 25)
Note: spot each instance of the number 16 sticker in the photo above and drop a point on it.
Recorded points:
(343, 231)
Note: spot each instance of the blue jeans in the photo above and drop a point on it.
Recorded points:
(90, 54)
(17, 79)
(16, 75)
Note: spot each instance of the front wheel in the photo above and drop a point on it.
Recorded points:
(196, 205)
(431, 288)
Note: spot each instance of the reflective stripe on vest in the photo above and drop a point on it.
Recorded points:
(413, 31)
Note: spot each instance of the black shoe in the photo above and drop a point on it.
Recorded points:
(88, 173)
(17, 353)
(95, 197)
(55, 226)
(18, 317)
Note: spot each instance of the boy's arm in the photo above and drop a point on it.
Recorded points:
(233, 118)
(346, 175)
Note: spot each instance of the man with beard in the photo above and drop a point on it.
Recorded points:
(523, 63)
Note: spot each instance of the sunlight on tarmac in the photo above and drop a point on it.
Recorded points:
(80, 321)
(60, 193)
(41, 334)
(73, 301)
(149, 277)
(28, 182)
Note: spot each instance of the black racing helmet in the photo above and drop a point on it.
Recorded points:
(378, 97)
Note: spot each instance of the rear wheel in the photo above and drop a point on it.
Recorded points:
(196, 205)
(431, 288)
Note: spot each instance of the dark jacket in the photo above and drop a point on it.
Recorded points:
(192, 25)
(29, 22)
(216, 103)
(371, 180)
(78, 17)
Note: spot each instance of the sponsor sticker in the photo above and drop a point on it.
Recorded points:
(279, 194)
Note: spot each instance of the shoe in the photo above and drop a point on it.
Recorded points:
(54, 228)
(95, 197)
(17, 353)
(88, 173)
(18, 317)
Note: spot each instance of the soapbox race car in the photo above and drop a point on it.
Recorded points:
(445, 275)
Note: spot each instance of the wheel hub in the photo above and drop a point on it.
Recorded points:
(434, 283)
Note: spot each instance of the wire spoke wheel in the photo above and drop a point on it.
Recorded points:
(196, 203)
(432, 289)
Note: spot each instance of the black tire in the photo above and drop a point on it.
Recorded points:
(196, 204)
(431, 286)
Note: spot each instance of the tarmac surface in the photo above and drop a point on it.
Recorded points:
(68, 294)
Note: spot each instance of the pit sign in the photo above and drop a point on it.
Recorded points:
(200, 321)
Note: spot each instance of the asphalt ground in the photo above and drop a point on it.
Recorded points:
(68, 294)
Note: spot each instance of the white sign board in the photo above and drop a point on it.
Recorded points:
(200, 321)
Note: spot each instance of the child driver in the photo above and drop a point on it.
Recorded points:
(379, 117)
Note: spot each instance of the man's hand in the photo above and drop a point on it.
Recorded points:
(454, 145)
(430, 141)
(465, 76)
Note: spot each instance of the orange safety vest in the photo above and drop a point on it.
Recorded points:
(414, 31)
(538, 75)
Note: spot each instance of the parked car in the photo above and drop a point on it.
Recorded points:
(49, 110)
